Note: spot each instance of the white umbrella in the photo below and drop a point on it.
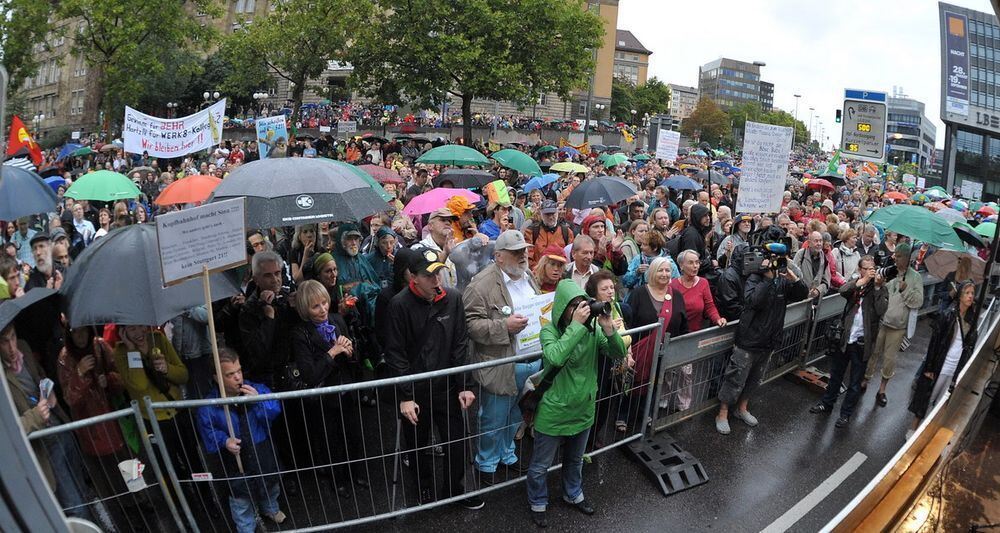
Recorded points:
(951, 215)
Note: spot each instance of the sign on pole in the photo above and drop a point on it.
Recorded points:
(212, 236)
(765, 167)
(956, 64)
(173, 137)
(863, 134)
(272, 136)
(347, 127)
(666, 144)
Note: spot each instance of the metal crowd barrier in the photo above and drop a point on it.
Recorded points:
(107, 499)
(332, 462)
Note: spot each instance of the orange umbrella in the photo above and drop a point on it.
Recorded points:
(189, 190)
(895, 195)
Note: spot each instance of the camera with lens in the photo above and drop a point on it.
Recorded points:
(775, 253)
(888, 273)
(599, 308)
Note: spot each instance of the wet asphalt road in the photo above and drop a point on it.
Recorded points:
(755, 474)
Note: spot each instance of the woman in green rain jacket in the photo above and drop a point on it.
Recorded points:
(571, 345)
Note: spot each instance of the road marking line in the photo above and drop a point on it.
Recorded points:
(799, 510)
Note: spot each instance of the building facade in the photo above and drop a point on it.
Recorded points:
(909, 133)
(730, 82)
(970, 98)
(631, 58)
(683, 100)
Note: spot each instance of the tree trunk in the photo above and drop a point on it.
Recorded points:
(466, 119)
(297, 92)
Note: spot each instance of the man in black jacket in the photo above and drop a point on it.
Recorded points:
(265, 320)
(765, 298)
(427, 332)
(866, 302)
(729, 287)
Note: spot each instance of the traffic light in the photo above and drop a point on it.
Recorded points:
(837, 119)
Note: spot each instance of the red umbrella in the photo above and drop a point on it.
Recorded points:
(895, 195)
(986, 211)
(189, 190)
(381, 174)
(819, 183)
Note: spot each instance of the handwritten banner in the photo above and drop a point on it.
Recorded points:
(272, 136)
(212, 235)
(173, 137)
(666, 144)
(765, 167)
(538, 310)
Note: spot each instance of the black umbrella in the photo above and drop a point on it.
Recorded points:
(688, 161)
(23, 193)
(118, 280)
(9, 309)
(598, 148)
(834, 178)
(291, 191)
(599, 192)
(710, 175)
(465, 178)
(969, 235)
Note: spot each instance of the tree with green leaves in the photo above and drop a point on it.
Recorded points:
(129, 43)
(23, 25)
(295, 41)
(652, 98)
(492, 49)
(753, 112)
(707, 122)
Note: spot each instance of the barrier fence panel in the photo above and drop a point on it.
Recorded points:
(786, 357)
(828, 312)
(101, 474)
(326, 459)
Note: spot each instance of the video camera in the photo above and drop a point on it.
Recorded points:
(775, 252)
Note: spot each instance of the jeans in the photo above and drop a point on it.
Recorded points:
(241, 503)
(742, 376)
(854, 357)
(572, 468)
(499, 418)
(66, 461)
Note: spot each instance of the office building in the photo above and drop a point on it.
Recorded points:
(909, 133)
(970, 103)
(683, 100)
(631, 58)
(730, 83)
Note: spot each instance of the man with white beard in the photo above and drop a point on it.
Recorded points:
(489, 302)
(45, 273)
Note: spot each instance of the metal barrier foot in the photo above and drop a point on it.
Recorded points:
(671, 467)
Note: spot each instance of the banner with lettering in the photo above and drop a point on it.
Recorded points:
(765, 167)
(173, 137)
(272, 136)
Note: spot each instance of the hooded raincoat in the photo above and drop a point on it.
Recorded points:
(567, 407)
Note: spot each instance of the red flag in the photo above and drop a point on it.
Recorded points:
(20, 138)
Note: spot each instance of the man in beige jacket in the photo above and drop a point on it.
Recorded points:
(905, 292)
(489, 302)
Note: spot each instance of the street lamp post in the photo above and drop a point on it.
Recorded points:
(259, 98)
(811, 114)
(207, 95)
(36, 122)
(795, 124)
(633, 116)
(172, 109)
(599, 108)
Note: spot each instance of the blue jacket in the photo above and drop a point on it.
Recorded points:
(633, 278)
(212, 420)
(490, 229)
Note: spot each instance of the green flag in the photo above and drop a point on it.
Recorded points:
(833, 167)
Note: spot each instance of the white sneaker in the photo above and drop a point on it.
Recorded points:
(746, 417)
(277, 517)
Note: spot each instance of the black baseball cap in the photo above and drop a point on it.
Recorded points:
(426, 261)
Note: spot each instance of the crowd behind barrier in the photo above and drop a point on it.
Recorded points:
(380, 470)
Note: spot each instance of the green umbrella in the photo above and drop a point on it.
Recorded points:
(104, 186)
(82, 151)
(519, 161)
(642, 157)
(615, 160)
(603, 157)
(545, 149)
(455, 155)
(987, 229)
(363, 175)
(917, 223)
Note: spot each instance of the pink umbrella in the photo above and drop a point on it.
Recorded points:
(435, 199)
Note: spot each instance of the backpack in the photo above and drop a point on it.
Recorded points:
(536, 229)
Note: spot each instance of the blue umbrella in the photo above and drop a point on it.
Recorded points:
(68, 149)
(681, 183)
(540, 182)
(23, 193)
(699, 153)
(569, 150)
(55, 182)
(721, 164)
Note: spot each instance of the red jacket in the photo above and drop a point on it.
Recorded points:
(86, 399)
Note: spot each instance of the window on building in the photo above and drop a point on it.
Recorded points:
(581, 108)
(76, 102)
(993, 148)
(245, 6)
(967, 141)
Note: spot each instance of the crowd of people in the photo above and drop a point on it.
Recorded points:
(330, 304)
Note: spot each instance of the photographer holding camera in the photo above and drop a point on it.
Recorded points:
(768, 290)
(571, 344)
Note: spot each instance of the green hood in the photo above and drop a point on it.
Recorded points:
(566, 290)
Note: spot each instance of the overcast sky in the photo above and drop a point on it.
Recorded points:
(812, 48)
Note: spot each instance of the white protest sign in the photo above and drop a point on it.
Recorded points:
(173, 137)
(324, 129)
(667, 143)
(538, 310)
(909, 180)
(213, 235)
(347, 126)
(972, 190)
(921, 183)
(75, 135)
(765, 167)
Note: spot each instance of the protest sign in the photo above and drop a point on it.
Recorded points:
(272, 137)
(666, 144)
(347, 127)
(212, 236)
(765, 167)
(921, 183)
(538, 310)
(173, 137)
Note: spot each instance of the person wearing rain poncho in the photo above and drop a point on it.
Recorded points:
(354, 273)
(571, 345)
